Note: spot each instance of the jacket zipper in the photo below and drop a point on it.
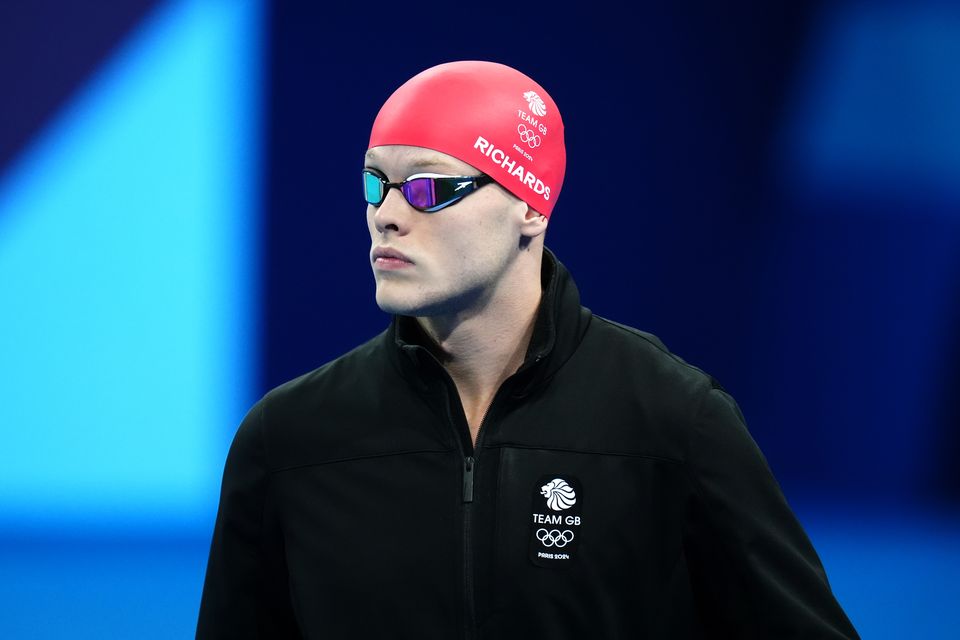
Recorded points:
(470, 614)
(469, 462)
(469, 473)
(467, 494)
(468, 479)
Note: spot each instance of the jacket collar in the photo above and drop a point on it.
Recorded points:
(558, 329)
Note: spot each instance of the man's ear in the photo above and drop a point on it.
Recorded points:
(534, 223)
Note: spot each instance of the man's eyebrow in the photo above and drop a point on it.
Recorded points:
(371, 162)
(426, 163)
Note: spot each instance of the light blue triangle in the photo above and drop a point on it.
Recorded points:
(127, 265)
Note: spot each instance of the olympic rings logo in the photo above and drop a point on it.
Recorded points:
(554, 537)
(529, 136)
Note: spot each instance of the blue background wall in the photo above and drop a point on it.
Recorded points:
(181, 229)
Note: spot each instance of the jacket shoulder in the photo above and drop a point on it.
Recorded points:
(637, 395)
(333, 377)
(335, 411)
(647, 353)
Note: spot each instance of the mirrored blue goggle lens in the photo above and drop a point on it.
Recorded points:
(372, 188)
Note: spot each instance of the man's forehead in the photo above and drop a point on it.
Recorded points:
(400, 157)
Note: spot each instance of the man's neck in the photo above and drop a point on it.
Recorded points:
(483, 346)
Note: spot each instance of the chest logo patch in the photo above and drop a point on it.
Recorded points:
(556, 521)
(559, 494)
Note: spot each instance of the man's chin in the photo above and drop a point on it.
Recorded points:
(415, 308)
(398, 307)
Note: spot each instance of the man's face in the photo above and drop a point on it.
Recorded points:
(456, 256)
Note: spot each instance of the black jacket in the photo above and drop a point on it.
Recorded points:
(614, 493)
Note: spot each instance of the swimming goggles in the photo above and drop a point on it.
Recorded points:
(428, 192)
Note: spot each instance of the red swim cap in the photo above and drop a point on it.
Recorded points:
(488, 115)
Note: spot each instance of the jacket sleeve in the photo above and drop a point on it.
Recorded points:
(754, 572)
(246, 593)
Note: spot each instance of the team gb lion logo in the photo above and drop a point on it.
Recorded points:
(536, 103)
(559, 494)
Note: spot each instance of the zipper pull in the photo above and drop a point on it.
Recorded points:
(468, 464)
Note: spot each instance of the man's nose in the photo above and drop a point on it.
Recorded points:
(393, 213)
